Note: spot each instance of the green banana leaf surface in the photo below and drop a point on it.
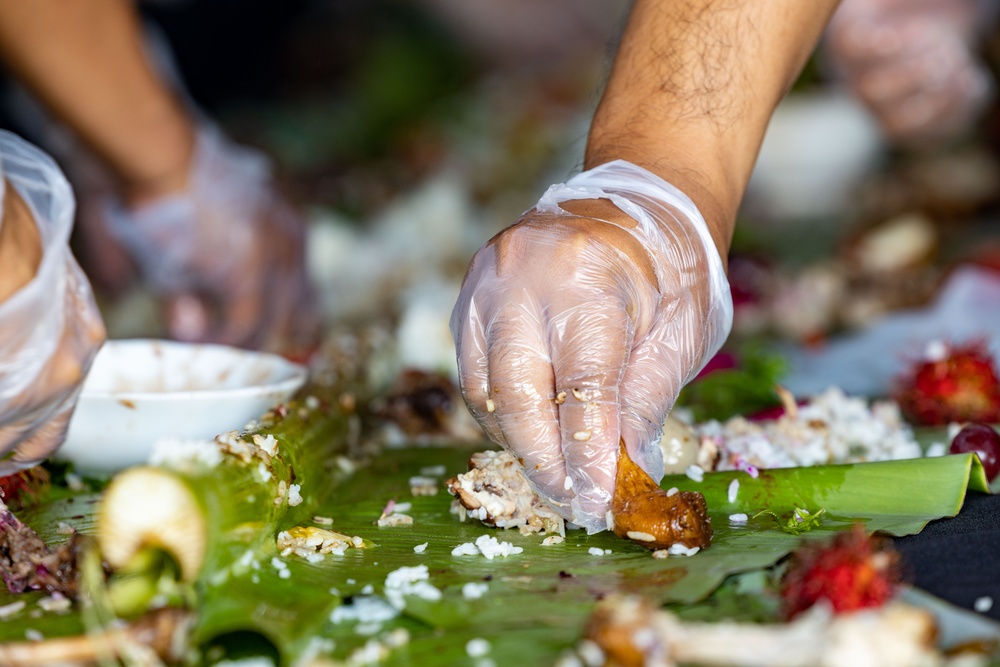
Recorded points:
(536, 602)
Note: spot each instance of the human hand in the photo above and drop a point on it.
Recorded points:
(227, 255)
(912, 63)
(579, 325)
(51, 327)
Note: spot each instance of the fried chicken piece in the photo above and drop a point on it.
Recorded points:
(654, 518)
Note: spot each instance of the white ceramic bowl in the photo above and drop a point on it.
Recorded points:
(139, 391)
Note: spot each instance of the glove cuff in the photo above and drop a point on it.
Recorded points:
(651, 201)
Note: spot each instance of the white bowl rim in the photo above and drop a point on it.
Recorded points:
(299, 374)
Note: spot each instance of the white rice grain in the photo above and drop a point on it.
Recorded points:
(738, 518)
(490, 547)
(695, 473)
(552, 539)
(465, 549)
(680, 549)
(640, 536)
(936, 449)
(983, 604)
(591, 653)
(268, 443)
(594, 551)
(474, 590)
(394, 520)
(477, 648)
(55, 602)
(734, 488)
(9, 610)
(364, 609)
(367, 629)
(420, 548)
(569, 659)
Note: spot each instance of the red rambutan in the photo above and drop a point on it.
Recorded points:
(21, 488)
(951, 384)
(852, 572)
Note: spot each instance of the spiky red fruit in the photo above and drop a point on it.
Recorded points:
(852, 572)
(953, 384)
(21, 488)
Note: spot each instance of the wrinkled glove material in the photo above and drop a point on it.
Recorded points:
(229, 244)
(51, 328)
(569, 338)
(914, 63)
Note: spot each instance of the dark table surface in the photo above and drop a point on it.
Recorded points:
(958, 559)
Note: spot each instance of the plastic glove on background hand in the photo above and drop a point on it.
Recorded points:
(227, 255)
(50, 329)
(912, 62)
(578, 326)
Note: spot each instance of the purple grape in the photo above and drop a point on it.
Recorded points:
(982, 440)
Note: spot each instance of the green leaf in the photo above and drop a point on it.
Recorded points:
(744, 390)
(538, 601)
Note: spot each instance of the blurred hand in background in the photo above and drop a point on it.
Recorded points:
(914, 62)
(200, 218)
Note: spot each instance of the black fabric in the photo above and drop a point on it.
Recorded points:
(958, 559)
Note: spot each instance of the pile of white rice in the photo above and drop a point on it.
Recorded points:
(831, 428)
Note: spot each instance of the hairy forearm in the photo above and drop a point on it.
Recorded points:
(693, 87)
(84, 59)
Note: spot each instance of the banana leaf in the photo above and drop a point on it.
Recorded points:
(537, 601)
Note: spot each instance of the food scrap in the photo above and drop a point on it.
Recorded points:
(27, 563)
(313, 543)
(496, 492)
(630, 632)
(654, 518)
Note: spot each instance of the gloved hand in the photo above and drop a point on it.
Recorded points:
(579, 325)
(50, 328)
(227, 255)
(912, 62)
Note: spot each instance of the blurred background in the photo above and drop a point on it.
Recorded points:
(411, 131)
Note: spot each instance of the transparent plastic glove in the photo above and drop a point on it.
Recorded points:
(575, 330)
(50, 329)
(227, 255)
(912, 62)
